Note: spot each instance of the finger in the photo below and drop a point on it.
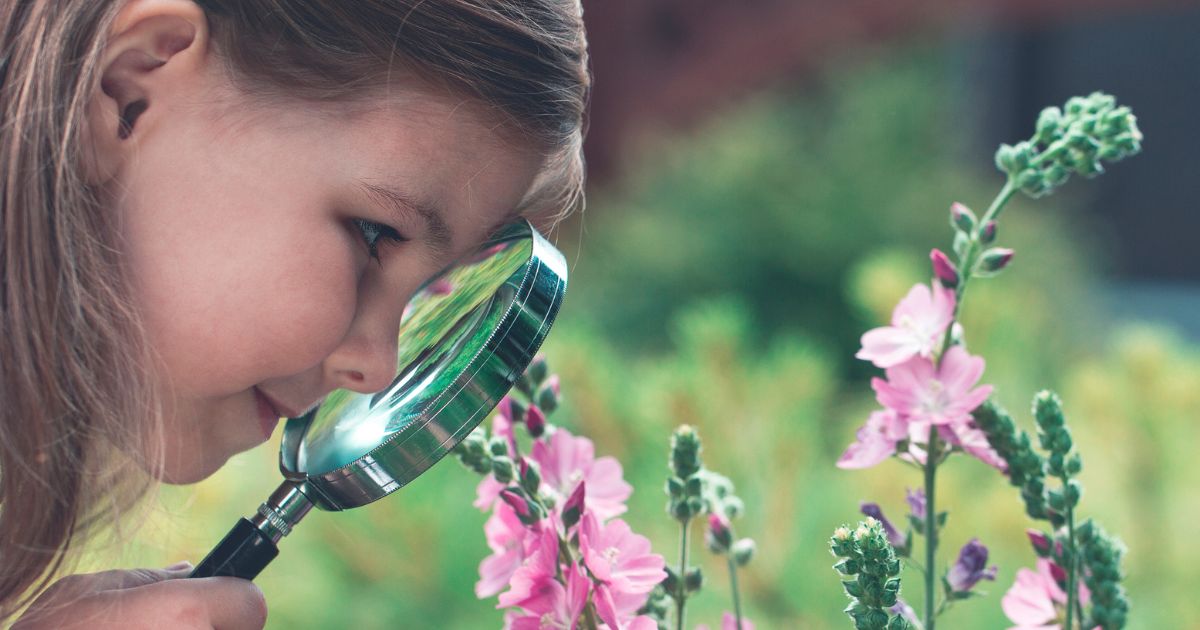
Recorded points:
(226, 603)
(132, 578)
(73, 587)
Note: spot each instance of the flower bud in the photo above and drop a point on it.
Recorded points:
(1040, 542)
(961, 218)
(516, 409)
(988, 234)
(674, 487)
(670, 583)
(969, 568)
(733, 507)
(498, 446)
(995, 259)
(519, 505)
(572, 510)
(718, 537)
(547, 397)
(535, 421)
(1059, 574)
(538, 370)
(1049, 124)
(943, 269)
(685, 452)
(743, 551)
(502, 469)
(531, 479)
(693, 580)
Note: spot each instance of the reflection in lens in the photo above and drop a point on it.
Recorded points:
(443, 329)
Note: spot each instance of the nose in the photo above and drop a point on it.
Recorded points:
(365, 360)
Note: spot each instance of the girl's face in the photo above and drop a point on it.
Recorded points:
(250, 264)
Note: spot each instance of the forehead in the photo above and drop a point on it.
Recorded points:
(446, 155)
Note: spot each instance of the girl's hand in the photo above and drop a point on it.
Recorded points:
(147, 598)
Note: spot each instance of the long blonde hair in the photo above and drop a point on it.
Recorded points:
(76, 385)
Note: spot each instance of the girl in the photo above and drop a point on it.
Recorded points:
(213, 214)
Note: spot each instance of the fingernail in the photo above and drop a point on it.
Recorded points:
(179, 566)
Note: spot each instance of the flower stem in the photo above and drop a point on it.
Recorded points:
(931, 534)
(733, 585)
(681, 585)
(1072, 563)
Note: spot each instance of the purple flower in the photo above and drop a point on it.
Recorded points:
(969, 569)
(916, 502)
(904, 610)
(898, 541)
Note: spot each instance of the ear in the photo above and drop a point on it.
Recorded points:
(155, 49)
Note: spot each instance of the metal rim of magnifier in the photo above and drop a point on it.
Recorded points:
(540, 285)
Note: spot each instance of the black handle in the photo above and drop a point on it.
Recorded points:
(244, 552)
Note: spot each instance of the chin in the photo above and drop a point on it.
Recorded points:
(187, 470)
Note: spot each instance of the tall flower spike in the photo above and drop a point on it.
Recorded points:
(1077, 138)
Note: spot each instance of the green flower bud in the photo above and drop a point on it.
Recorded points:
(694, 486)
(694, 579)
(674, 487)
(538, 370)
(962, 219)
(670, 583)
(994, 260)
(502, 469)
(547, 399)
(1049, 125)
(733, 507)
(988, 234)
(498, 446)
(685, 452)
(743, 551)
(531, 478)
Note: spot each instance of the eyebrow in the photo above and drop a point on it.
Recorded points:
(403, 206)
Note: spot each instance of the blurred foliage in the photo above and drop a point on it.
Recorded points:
(725, 285)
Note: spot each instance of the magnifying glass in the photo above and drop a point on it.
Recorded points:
(464, 340)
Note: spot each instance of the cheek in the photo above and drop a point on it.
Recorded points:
(251, 300)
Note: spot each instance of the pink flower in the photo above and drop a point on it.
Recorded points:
(924, 394)
(1034, 600)
(554, 606)
(540, 566)
(729, 622)
(918, 327)
(566, 460)
(972, 441)
(507, 538)
(618, 557)
(875, 441)
(618, 610)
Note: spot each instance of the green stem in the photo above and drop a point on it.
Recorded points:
(1072, 563)
(682, 583)
(931, 534)
(733, 584)
(589, 617)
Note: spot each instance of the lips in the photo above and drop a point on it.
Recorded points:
(280, 410)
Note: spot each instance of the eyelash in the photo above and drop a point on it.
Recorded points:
(372, 232)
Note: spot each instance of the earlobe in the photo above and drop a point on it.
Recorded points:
(154, 47)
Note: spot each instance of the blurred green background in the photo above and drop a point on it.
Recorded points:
(723, 281)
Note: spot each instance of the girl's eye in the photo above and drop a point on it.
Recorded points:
(372, 232)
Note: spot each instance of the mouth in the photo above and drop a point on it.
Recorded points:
(268, 413)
